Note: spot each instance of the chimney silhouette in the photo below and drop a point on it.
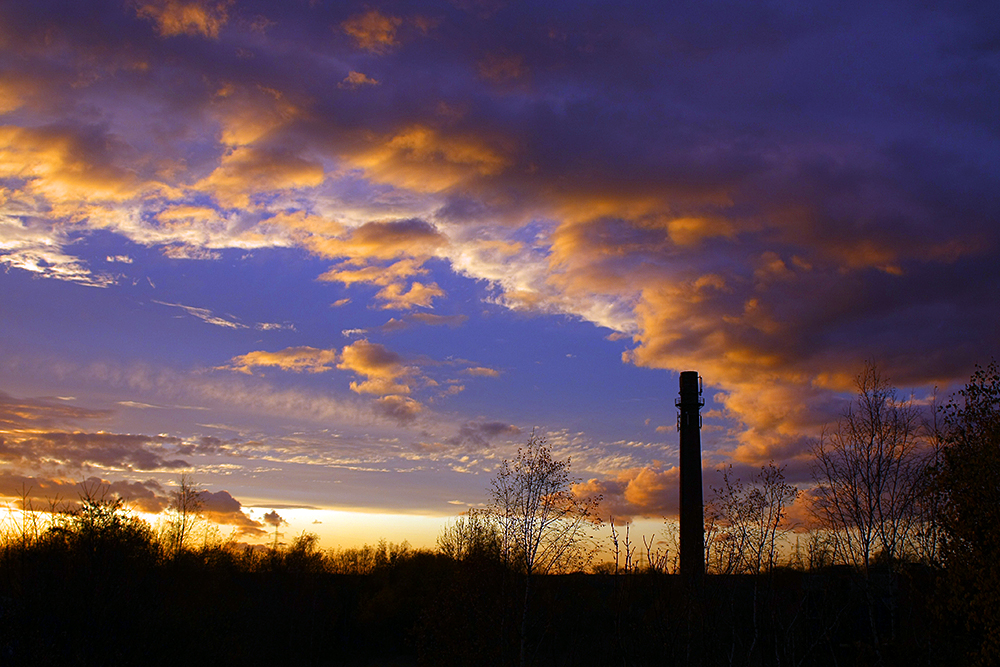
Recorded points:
(692, 510)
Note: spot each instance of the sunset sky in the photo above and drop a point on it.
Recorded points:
(346, 256)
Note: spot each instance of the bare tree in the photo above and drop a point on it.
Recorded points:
(747, 521)
(868, 471)
(543, 526)
(186, 504)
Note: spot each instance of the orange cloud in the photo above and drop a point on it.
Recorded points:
(65, 167)
(396, 296)
(248, 171)
(221, 507)
(295, 359)
(383, 240)
(394, 273)
(195, 17)
(423, 159)
(482, 371)
(15, 90)
(356, 80)
(384, 369)
(650, 491)
(373, 30)
(42, 491)
(249, 114)
(409, 242)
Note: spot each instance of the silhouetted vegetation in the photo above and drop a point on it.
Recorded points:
(94, 584)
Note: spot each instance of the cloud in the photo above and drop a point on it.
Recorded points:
(418, 295)
(272, 518)
(57, 493)
(401, 409)
(80, 450)
(221, 507)
(250, 172)
(68, 165)
(391, 274)
(385, 371)
(295, 359)
(649, 491)
(778, 198)
(424, 159)
(406, 243)
(481, 371)
(501, 67)
(187, 251)
(356, 80)
(35, 413)
(479, 434)
(429, 319)
(373, 30)
(205, 315)
(388, 240)
(176, 17)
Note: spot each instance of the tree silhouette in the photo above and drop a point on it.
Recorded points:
(869, 471)
(969, 480)
(543, 526)
(747, 521)
(184, 513)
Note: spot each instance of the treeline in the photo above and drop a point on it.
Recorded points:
(904, 569)
(97, 587)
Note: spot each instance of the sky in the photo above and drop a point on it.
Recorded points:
(336, 261)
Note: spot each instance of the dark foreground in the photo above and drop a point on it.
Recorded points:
(222, 606)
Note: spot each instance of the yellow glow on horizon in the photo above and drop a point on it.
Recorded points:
(347, 528)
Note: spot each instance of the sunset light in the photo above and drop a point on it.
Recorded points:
(334, 263)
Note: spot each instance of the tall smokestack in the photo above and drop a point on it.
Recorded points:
(692, 508)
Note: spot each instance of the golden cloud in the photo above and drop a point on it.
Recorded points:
(356, 80)
(295, 359)
(29, 413)
(418, 295)
(373, 30)
(383, 368)
(423, 159)
(247, 171)
(394, 273)
(383, 240)
(482, 371)
(248, 114)
(307, 223)
(194, 17)
(694, 230)
(145, 496)
(15, 89)
(64, 167)
(221, 507)
(410, 240)
(650, 491)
